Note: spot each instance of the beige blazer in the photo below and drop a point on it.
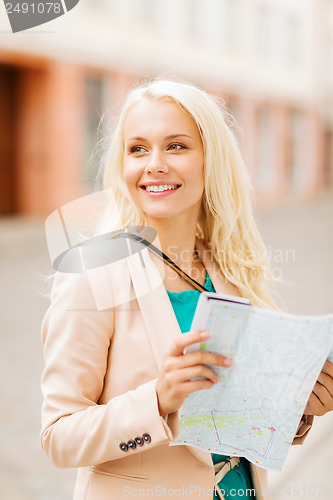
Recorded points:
(101, 367)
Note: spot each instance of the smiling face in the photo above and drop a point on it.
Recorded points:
(163, 161)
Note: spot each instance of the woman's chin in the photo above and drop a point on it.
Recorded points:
(159, 215)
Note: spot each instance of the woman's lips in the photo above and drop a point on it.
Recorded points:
(159, 194)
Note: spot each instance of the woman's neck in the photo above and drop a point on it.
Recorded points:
(177, 241)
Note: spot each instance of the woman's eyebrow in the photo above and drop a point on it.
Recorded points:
(169, 137)
(136, 139)
(174, 136)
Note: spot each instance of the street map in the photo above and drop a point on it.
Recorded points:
(255, 409)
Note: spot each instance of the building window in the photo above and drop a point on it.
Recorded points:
(328, 157)
(95, 105)
(294, 151)
(292, 40)
(232, 19)
(262, 31)
(264, 177)
(194, 18)
(232, 106)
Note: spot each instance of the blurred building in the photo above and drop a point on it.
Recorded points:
(271, 60)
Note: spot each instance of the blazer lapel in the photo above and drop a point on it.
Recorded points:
(156, 308)
(159, 318)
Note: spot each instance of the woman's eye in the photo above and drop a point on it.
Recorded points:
(176, 146)
(136, 149)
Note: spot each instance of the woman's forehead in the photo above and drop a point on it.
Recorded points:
(160, 116)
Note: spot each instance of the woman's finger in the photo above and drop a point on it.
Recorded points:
(314, 406)
(197, 385)
(192, 372)
(183, 341)
(190, 338)
(196, 358)
(324, 396)
(326, 381)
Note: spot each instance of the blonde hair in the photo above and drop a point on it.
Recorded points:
(226, 223)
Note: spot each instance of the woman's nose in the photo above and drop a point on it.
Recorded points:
(156, 163)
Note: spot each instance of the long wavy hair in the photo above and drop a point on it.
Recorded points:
(226, 224)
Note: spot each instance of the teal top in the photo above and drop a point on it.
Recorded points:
(236, 480)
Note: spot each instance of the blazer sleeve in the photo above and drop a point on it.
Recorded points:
(76, 430)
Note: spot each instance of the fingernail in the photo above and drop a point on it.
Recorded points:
(227, 362)
(205, 335)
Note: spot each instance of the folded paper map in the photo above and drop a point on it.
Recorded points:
(255, 409)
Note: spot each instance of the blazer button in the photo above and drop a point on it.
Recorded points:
(131, 444)
(123, 446)
(139, 441)
(146, 437)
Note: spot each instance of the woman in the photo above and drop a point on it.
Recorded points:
(115, 378)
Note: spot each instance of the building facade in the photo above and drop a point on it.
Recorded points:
(268, 59)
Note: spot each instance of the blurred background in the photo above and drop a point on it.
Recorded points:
(272, 63)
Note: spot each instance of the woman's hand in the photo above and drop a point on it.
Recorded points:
(321, 399)
(175, 379)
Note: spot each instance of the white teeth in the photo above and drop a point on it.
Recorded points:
(157, 189)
